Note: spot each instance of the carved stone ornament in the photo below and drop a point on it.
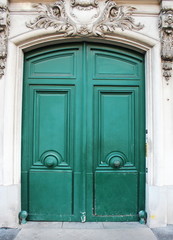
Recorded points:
(84, 17)
(4, 28)
(84, 4)
(166, 32)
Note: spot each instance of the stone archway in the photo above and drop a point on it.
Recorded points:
(13, 90)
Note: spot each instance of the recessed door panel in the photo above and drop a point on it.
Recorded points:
(116, 194)
(52, 122)
(83, 136)
(115, 119)
(114, 65)
(52, 65)
(46, 186)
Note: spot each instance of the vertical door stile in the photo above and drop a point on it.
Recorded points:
(84, 133)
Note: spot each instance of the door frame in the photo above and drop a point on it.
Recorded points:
(13, 93)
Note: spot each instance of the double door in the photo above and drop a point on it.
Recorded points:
(83, 135)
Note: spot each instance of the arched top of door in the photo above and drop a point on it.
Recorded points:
(39, 38)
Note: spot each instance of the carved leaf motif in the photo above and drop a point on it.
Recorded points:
(51, 16)
(108, 20)
(117, 17)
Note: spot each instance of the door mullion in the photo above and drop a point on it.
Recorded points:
(84, 131)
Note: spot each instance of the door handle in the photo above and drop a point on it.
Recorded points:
(116, 162)
(116, 159)
(50, 161)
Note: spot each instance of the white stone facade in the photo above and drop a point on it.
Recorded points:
(159, 103)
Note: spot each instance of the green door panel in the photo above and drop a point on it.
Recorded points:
(110, 66)
(46, 186)
(114, 65)
(51, 105)
(115, 194)
(83, 133)
(44, 66)
(116, 132)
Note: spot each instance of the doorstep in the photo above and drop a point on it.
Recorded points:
(84, 231)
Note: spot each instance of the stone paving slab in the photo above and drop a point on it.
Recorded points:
(164, 233)
(8, 233)
(85, 231)
(86, 234)
(86, 225)
(78, 225)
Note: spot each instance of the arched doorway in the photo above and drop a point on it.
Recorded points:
(83, 140)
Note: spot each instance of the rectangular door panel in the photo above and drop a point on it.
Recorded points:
(50, 195)
(52, 123)
(114, 124)
(115, 193)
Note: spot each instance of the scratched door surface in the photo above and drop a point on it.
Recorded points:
(83, 133)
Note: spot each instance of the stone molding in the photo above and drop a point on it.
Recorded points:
(166, 34)
(4, 29)
(100, 18)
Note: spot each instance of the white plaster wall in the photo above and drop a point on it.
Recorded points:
(159, 112)
(1, 128)
(9, 205)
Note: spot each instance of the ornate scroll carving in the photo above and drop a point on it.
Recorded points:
(101, 17)
(166, 32)
(4, 26)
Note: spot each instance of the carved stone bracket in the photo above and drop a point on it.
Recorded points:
(68, 17)
(4, 29)
(166, 33)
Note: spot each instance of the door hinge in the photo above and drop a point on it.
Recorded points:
(83, 217)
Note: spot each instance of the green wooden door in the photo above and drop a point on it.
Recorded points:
(83, 133)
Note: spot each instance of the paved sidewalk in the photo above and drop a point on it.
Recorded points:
(84, 231)
(164, 233)
(8, 233)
